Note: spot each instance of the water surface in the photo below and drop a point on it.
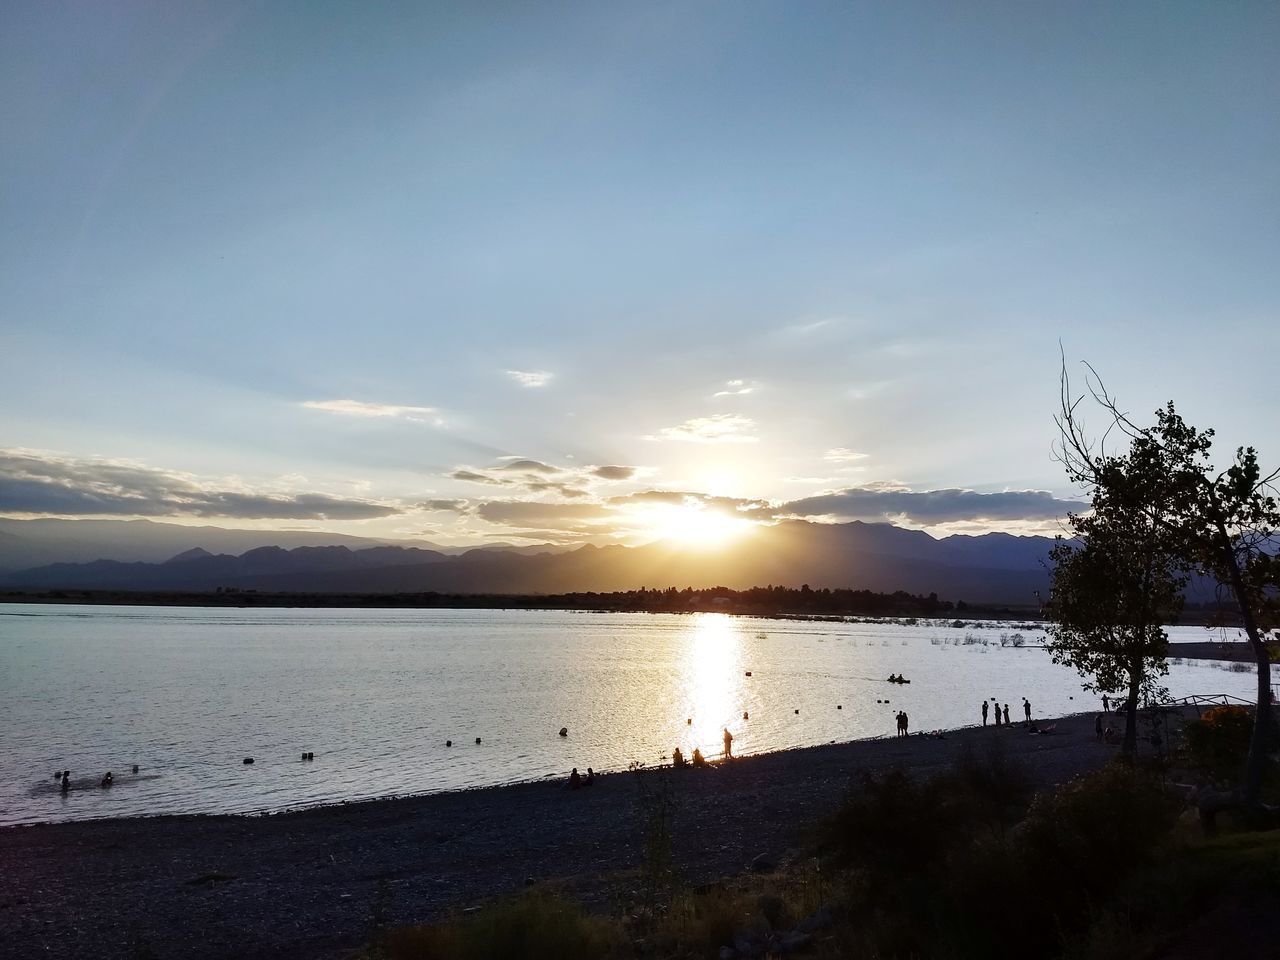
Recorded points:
(187, 693)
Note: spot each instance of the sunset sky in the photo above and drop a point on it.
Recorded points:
(605, 271)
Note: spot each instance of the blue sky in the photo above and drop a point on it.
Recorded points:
(327, 265)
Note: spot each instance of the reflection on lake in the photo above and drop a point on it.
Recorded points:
(186, 693)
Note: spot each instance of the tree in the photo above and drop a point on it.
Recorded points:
(1114, 589)
(1225, 524)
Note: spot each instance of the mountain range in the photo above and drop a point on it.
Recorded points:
(992, 568)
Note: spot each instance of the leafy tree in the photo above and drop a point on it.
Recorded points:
(1113, 590)
(1225, 524)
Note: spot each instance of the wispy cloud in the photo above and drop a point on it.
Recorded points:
(735, 388)
(36, 482)
(843, 455)
(532, 379)
(359, 408)
(720, 428)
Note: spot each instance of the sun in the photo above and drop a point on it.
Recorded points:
(695, 524)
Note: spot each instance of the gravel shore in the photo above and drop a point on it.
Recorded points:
(308, 884)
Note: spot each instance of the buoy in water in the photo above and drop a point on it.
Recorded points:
(477, 739)
(135, 768)
(564, 731)
(247, 761)
(797, 711)
(448, 743)
(839, 706)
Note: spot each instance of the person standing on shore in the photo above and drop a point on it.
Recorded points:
(1026, 708)
(1106, 704)
(997, 714)
(984, 713)
(728, 744)
(905, 721)
(1006, 714)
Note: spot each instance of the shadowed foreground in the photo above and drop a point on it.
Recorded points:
(309, 884)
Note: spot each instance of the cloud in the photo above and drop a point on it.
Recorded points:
(44, 483)
(614, 473)
(929, 507)
(527, 513)
(528, 466)
(475, 476)
(735, 388)
(843, 455)
(444, 506)
(533, 379)
(720, 428)
(358, 408)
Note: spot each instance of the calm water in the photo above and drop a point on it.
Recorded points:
(186, 693)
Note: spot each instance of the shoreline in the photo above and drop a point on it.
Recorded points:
(305, 883)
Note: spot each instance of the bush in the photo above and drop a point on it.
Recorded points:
(1097, 829)
(1218, 742)
(528, 927)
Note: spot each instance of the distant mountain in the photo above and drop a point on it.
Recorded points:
(30, 543)
(995, 568)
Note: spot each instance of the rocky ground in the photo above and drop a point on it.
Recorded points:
(310, 884)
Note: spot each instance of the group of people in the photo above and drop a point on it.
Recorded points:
(577, 781)
(903, 720)
(64, 779)
(679, 761)
(1002, 714)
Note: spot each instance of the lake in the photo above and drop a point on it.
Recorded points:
(187, 693)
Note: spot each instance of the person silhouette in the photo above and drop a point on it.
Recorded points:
(1026, 708)
(728, 744)
(997, 714)
(66, 781)
(575, 781)
(1006, 714)
(984, 713)
(677, 758)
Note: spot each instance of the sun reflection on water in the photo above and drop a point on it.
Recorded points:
(713, 683)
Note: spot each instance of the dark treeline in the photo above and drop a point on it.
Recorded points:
(758, 601)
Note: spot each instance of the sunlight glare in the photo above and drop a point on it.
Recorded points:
(713, 681)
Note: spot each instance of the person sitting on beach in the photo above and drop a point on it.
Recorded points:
(677, 758)
(591, 778)
(1109, 735)
(698, 759)
(575, 781)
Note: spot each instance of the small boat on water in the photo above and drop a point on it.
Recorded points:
(898, 679)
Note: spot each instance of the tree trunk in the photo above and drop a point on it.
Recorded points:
(1260, 739)
(1129, 750)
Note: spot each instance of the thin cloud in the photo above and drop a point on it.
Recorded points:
(930, 507)
(34, 482)
(444, 506)
(532, 379)
(735, 388)
(528, 466)
(720, 428)
(359, 408)
(843, 455)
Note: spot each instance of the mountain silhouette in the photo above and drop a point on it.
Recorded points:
(993, 568)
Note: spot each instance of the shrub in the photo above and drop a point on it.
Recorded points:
(1097, 829)
(528, 927)
(1218, 742)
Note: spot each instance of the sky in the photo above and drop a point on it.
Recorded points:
(615, 271)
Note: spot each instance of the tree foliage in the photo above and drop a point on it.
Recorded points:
(1223, 524)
